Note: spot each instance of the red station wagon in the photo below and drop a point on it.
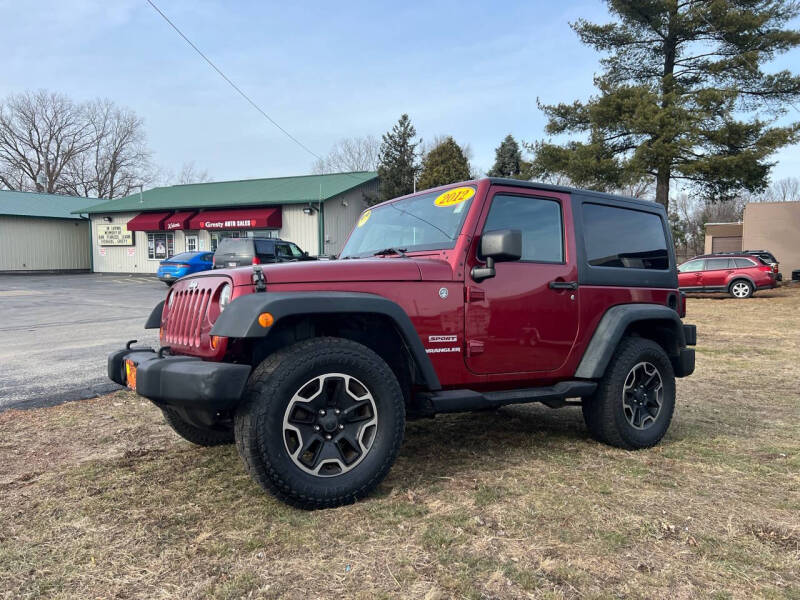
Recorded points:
(738, 275)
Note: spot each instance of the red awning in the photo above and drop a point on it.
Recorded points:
(148, 221)
(179, 220)
(243, 218)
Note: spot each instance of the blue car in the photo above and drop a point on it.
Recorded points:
(182, 264)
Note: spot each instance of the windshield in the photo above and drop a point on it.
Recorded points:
(424, 222)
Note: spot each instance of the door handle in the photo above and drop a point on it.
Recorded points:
(563, 285)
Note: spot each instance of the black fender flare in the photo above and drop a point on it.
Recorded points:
(154, 320)
(240, 318)
(612, 327)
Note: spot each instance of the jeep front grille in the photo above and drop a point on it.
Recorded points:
(186, 317)
(190, 314)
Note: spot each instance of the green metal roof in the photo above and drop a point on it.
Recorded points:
(247, 192)
(33, 204)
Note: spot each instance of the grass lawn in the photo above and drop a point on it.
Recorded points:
(99, 499)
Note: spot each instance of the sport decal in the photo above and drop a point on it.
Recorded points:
(442, 339)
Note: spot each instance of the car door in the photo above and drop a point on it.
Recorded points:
(716, 272)
(690, 274)
(525, 318)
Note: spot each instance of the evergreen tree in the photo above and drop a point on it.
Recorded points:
(682, 96)
(507, 159)
(398, 166)
(445, 163)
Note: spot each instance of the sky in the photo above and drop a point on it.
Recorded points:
(322, 70)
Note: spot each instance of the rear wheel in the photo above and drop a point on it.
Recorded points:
(633, 405)
(197, 435)
(741, 288)
(321, 422)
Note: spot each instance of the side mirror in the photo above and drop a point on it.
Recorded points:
(502, 245)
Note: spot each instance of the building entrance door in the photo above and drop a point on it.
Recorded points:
(191, 243)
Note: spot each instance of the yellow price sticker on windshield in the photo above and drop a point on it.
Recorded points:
(454, 196)
(364, 218)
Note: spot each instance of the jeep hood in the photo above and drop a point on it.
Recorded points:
(362, 269)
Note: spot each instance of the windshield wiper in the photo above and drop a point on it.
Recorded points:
(398, 251)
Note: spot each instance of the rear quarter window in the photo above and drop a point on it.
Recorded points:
(624, 238)
(235, 246)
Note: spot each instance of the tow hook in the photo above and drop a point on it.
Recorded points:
(259, 281)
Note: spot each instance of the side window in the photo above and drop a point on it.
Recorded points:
(283, 251)
(743, 263)
(717, 264)
(265, 250)
(623, 237)
(296, 252)
(692, 266)
(537, 218)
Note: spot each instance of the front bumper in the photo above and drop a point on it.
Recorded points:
(183, 381)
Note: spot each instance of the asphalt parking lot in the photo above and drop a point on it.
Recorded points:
(58, 329)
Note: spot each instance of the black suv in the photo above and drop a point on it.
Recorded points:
(239, 252)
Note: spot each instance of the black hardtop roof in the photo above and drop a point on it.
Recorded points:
(605, 197)
(601, 197)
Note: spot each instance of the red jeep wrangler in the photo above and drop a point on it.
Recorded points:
(465, 297)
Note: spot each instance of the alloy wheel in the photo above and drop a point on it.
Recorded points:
(642, 395)
(740, 289)
(329, 425)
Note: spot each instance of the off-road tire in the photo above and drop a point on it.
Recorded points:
(196, 435)
(259, 422)
(741, 282)
(603, 412)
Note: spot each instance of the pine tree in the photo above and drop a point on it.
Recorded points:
(682, 96)
(444, 163)
(507, 159)
(398, 166)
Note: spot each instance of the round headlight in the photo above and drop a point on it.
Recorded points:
(225, 296)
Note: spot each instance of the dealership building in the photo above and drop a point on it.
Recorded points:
(317, 212)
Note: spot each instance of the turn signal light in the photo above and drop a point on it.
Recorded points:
(215, 339)
(266, 320)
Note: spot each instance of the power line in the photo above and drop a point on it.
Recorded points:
(231, 83)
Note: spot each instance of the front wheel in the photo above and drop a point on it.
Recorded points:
(321, 422)
(634, 401)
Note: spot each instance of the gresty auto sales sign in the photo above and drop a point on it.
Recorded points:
(232, 224)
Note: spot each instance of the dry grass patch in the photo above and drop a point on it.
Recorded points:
(101, 499)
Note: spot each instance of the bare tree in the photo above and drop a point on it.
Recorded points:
(350, 154)
(191, 174)
(50, 144)
(118, 161)
(188, 173)
(783, 190)
(41, 133)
